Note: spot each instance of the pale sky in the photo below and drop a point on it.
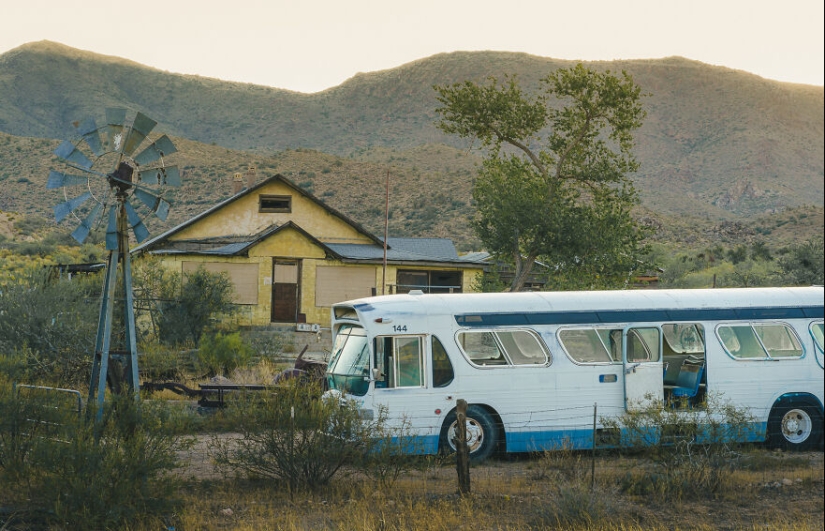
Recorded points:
(311, 45)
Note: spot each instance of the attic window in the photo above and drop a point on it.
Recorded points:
(275, 203)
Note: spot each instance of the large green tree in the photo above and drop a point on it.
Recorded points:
(554, 181)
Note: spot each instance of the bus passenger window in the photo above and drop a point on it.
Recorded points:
(817, 333)
(503, 347)
(481, 348)
(522, 348)
(780, 340)
(760, 341)
(584, 346)
(684, 338)
(442, 367)
(741, 342)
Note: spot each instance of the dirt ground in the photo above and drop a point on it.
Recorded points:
(790, 495)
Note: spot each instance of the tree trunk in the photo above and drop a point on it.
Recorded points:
(524, 265)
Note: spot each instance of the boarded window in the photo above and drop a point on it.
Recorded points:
(244, 278)
(336, 284)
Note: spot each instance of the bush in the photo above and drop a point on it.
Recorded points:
(222, 354)
(292, 435)
(51, 325)
(179, 309)
(80, 474)
(692, 453)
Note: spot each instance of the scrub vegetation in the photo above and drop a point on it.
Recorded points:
(161, 464)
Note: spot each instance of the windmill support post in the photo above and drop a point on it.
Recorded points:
(103, 370)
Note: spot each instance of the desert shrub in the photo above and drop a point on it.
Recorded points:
(265, 343)
(50, 324)
(178, 309)
(393, 452)
(293, 435)
(575, 506)
(81, 474)
(692, 453)
(223, 353)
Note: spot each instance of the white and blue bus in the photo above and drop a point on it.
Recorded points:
(532, 366)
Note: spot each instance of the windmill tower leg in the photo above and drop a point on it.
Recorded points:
(103, 370)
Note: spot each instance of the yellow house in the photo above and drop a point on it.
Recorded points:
(290, 256)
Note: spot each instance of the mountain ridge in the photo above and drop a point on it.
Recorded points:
(718, 145)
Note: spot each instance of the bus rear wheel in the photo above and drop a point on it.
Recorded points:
(794, 427)
(482, 434)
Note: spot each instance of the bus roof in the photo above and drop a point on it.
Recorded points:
(594, 306)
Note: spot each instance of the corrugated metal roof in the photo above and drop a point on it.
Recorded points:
(401, 249)
(223, 250)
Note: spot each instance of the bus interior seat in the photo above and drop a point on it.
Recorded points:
(690, 378)
(674, 367)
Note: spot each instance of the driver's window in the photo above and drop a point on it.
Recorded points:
(409, 362)
(399, 362)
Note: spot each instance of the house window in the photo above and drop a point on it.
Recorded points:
(275, 203)
(428, 281)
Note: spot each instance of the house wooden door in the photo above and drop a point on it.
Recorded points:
(285, 290)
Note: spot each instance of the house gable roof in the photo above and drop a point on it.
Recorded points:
(370, 249)
(153, 243)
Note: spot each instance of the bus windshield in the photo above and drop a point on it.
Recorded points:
(349, 365)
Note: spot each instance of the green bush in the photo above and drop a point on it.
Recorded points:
(179, 309)
(50, 324)
(692, 453)
(79, 474)
(294, 436)
(222, 354)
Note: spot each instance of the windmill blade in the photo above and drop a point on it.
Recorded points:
(64, 209)
(88, 130)
(156, 204)
(157, 149)
(141, 128)
(69, 152)
(82, 231)
(115, 120)
(59, 180)
(168, 175)
(140, 230)
(111, 230)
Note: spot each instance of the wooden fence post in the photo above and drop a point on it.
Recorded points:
(462, 451)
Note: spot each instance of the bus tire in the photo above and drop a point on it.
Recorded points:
(794, 427)
(482, 435)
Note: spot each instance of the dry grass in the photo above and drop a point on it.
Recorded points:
(553, 491)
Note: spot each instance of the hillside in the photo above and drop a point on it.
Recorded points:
(719, 147)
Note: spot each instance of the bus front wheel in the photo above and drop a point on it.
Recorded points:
(481, 433)
(794, 427)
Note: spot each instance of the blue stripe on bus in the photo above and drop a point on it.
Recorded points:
(638, 316)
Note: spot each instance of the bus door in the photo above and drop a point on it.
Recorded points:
(402, 388)
(643, 369)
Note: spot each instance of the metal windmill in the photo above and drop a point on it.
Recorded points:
(110, 177)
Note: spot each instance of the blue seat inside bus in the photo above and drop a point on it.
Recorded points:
(690, 378)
